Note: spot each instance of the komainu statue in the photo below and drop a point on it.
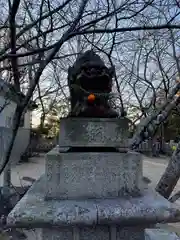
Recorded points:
(90, 84)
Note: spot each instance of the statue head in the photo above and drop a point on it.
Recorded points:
(90, 73)
(88, 76)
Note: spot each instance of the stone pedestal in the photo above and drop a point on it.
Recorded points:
(92, 175)
(85, 132)
(88, 193)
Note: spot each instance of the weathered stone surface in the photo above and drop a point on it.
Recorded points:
(102, 232)
(93, 132)
(160, 234)
(34, 211)
(57, 234)
(94, 233)
(92, 175)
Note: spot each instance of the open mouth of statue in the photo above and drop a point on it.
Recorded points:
(94, 80)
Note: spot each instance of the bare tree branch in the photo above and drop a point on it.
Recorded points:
(13, 12)
(43, 64)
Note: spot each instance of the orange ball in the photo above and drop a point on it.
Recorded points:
(91, 97)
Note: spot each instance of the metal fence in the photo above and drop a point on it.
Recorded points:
(20, 144)
(152, 149)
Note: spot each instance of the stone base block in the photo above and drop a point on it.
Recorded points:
(94, 233)
(92, 175)
(103, 232)
(110, 233)
(107, 233)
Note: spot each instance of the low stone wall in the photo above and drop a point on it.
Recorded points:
(42, 145)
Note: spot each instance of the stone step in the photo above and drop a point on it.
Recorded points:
(33, 210)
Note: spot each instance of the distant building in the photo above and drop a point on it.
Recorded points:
(8, 103)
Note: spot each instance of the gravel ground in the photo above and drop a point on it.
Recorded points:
(34, 169)
(153, 168)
